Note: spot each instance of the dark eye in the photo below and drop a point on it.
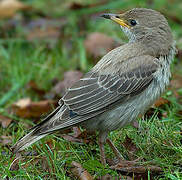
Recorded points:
(133, 22)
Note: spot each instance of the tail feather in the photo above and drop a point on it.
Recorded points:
(26, 141)
(34, 135)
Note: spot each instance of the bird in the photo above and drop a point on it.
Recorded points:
(120, 87)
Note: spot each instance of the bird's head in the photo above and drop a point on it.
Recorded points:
(146, 25)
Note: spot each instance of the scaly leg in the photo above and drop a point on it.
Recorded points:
(102, 140)
(114, 149)
(121, 163)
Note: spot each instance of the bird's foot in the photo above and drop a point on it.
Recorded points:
(120, 161)
(134, 167)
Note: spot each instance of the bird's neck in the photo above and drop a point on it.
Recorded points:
(154, 47)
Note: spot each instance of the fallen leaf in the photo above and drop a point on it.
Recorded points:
(179, 53)
(44, 34)
(150, 112)
(98, 44)
(45, 29)
(77, 132)
(5, 121)
(80, 137)
(175, 86)
(135, 124)
(5, 140)
(176, 81)
(70, 77)
(74, 139)
(87, 136)
(136, 168)
(77, 6)
(25, 108)
(8, 8)
(34, 87)
(180, 112)
(109, 177)
(80, 172)
(161, 101)
(131, 148)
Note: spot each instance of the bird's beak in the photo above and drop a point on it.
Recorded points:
(116, 18)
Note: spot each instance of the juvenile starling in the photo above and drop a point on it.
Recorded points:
(121, 86)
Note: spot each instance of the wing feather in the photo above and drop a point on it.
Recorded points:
(96, 93)
(108, 89)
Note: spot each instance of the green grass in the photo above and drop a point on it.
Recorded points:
(158, 139)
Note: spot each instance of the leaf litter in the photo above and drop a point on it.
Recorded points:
(5, 121)
(98, 44)
(9, 8)
(26, 108)
(79, 172)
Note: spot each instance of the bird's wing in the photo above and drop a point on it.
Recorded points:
(96, 93)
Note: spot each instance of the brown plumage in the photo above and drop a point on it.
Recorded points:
(122, 85)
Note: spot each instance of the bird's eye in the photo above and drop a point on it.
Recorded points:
(133, 22)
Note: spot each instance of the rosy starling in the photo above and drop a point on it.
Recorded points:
(121, 86)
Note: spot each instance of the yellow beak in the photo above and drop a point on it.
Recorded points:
(116, 18)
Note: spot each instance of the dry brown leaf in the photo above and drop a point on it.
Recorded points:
(176, 82)
(131, 148)
(34, 87)
(5, 121)
(80, 172)
(150, 112)
(45, 29)
(25, 108)
(49, 33)
(80, 137)
(161, 101)
(77, 5)
(98, 44)
(77, 132)
(136, 168)
(109, 177)
(135, 124)
(74, 139)
(180, 112)
(8, 8)
(5, 140)
(70, 77)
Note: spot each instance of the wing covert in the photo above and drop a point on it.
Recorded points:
(95, 92)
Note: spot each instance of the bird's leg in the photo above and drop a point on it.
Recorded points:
(101, 141)
(114, 149)
(122, 162)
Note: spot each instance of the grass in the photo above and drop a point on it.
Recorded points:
(158, 139)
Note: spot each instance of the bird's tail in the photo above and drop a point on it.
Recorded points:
(26, 141)
(34, 135)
